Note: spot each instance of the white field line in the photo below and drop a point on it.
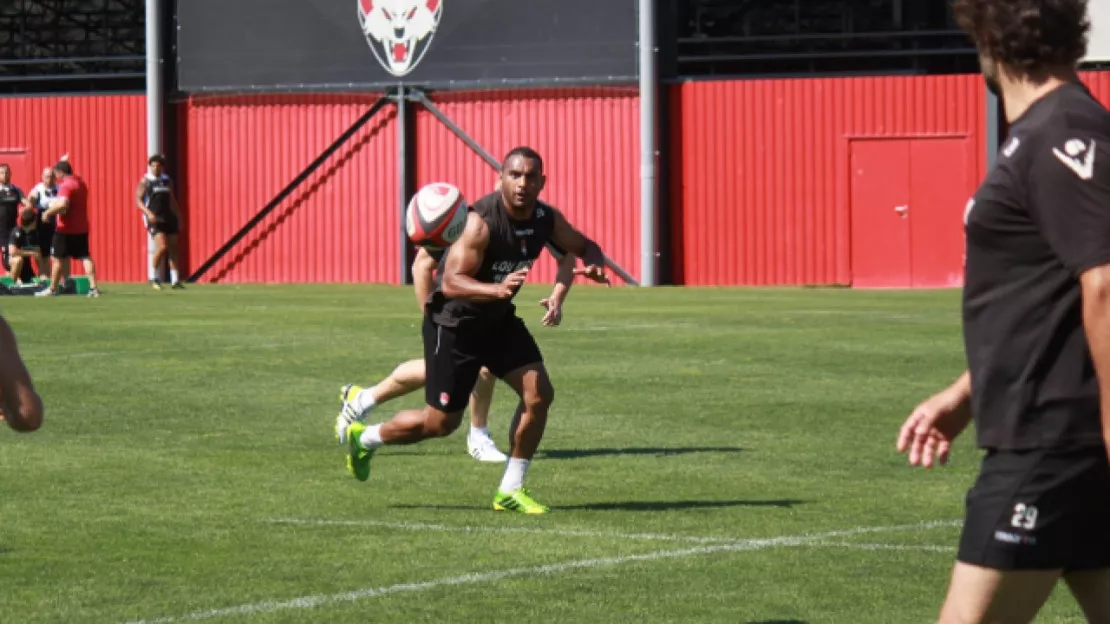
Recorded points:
(308, 602)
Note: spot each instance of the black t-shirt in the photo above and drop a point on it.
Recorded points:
(513, 245)
(1038, 221)
(10, 196)
(157, 194)
(24, 239)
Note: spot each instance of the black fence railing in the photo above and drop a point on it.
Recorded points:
(896, 51)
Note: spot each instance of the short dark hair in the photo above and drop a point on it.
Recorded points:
(157, 158)
(1028, 36)
(63, 168)
(524, 152)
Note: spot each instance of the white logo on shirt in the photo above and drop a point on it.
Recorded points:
(1084, 168)
(967, 209)
(1009, 150)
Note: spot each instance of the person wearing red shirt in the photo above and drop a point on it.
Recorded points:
(71, 234)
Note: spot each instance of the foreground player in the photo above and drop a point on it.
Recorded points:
(408, 376)
(1036, 316)
(470, 322)
(22, 406)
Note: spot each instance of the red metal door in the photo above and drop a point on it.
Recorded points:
(880, 230)
(938, 195)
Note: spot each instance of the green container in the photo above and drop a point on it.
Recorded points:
(76, 285)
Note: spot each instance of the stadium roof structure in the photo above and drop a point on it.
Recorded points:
(71, 44)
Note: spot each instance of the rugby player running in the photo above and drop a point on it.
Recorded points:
(470, 322)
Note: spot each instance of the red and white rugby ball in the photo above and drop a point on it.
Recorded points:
(436, 215)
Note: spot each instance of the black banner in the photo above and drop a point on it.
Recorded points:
(279, 45)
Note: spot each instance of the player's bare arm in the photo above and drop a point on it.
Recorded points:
(464, 261)
(23, 409)
(932, 426)
(58, 205)
(564, 278)
(423, 276)
(567, 237)
(1095, 285)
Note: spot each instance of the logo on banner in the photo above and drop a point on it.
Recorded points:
(399, 31)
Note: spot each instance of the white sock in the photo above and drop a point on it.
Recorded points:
(372, 437)
(173, 276)
(479, 432)
(364, 400)
(514, 474)
(151, 273)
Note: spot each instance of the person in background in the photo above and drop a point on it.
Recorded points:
(11, 197)
(41, 196)
(71, 237)
(24, 244)
(155, 197)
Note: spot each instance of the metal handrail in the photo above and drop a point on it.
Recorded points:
(825, 54)
(73, 59)
(888, 34)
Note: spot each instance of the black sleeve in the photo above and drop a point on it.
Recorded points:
(1069, 196)
(15, 239)
(555, 251)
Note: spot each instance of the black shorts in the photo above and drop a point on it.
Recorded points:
(70, 246)
(1039, 510)
(168, 225)
(453, 357)
(46, 231)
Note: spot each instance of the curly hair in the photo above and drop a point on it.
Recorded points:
(1026, 35)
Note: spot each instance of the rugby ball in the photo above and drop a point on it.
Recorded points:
(436, 215)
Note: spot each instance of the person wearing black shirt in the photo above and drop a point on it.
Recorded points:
(24, 243)
(1036, 324)
(155, 198)
(11, 197)
(470, 322)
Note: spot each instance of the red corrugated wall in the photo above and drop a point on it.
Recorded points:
(760, 168)
(1099, 84)
(341, 225)
(589, 139)
(105, 136)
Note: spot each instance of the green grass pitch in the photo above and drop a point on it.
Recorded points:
(713, 455)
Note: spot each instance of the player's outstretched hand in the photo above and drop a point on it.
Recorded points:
(595, 273)
(932, 426)
(511, 282)
(554, 314)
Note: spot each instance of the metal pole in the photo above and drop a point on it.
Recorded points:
(992, 128)
(647, 143)
(402, 180)
(154, 99)
(154, 91)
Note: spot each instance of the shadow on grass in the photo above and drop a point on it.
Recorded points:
(637, 505)
(658, 451)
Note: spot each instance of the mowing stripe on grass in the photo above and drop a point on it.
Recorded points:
(910, 547)
(308, 602)
(443, 528)
(662, 537)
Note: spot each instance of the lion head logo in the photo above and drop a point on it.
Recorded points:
(399, 31)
